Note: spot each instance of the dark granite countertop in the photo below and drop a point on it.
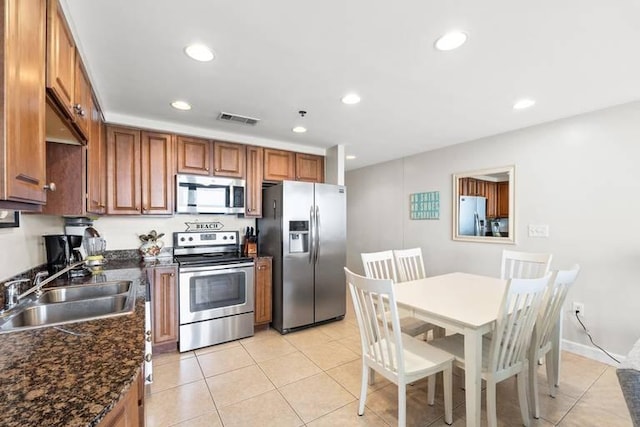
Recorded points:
(52, 378)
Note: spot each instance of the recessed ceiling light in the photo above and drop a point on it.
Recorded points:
(451, 40)
(350, 99)
(523, 103)
(299, 129)
(181, 105)
(350, 157)
(199, 52)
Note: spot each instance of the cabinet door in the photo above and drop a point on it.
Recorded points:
(228, 159)
(126, 413)
(82, 101)
(164, 303)
(123, 171)
(96, 155)
(194, 155)
(263, 290)
(491, 193)
(157, 173)
(480, 187)
(253, 202)
(66, 166)
(503, 199)
(22, 142)
(279, 165)
(309, 168)
(61, 58)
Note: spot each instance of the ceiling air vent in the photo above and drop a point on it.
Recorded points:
(238, 119)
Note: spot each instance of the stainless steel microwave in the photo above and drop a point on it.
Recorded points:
(206, 194)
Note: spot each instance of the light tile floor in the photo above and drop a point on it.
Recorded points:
(312, 378)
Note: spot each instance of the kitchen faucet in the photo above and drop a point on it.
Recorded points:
(11, 288)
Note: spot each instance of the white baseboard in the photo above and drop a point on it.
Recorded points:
(591, 352)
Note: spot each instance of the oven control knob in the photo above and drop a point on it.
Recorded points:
(190, 239)
(182, 239)
(230, 237)
(224, 238)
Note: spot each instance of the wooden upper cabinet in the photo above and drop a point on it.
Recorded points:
(66, 166)
(157, 173)
(61, 58)
(309, 168)
(22, 103)
(503, 199)
(253, 190)
(82, 100)
(491, 193)
(193, 155)
(279, 165)
(96, 163)
(229, 159)
(123, 171)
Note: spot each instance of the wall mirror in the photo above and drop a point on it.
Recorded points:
(483, 205)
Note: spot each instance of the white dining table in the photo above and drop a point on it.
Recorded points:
(462, 303)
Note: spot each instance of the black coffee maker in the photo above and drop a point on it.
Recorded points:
(62, 251)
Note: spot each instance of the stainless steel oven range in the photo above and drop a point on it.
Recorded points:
(215, 288)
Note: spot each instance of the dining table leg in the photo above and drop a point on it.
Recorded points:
(472, 375)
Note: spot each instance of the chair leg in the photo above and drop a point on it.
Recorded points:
(363, 388)
(372, 376)
(431, 389)
(402, 404)
(492, 415)
(521, 379)
(447, 376)
(533, 389)
(552, 373)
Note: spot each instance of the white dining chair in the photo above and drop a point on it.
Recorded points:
(542, 342)
(381, 265)
(524, 265)
(398, 357)
(505, 353)
(410, 266)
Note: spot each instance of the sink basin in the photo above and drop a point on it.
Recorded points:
(70, 304)
(83, 292)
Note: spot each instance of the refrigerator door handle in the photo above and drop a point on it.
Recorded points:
(316, 245)
(312, 231)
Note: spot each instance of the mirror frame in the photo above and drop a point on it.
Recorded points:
(509, 170)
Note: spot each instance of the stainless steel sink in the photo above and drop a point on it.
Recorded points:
(70, 304)
(83, 292)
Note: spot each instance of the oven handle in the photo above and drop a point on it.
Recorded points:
(215, 267)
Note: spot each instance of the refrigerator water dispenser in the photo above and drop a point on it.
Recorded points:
(298, 236)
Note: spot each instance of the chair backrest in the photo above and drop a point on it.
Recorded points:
(410, 264)
(516, 318)
(379, 265)
(375, 307)
(554, 300)
(524, 265)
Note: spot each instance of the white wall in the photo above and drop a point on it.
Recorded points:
(23, 247)
(580, 175)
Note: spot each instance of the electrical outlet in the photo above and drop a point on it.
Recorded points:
(538, 230)
(578, 307)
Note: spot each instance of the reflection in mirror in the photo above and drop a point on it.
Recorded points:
(483, 205)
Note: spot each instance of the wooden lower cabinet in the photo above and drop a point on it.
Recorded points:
(263, 284)
(164, 308)
(128, 412)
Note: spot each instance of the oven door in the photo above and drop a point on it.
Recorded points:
(217, 291)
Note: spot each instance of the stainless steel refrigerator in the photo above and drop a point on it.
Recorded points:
(303, 227)
(472, 216)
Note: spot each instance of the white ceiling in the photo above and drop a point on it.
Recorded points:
(276, 57)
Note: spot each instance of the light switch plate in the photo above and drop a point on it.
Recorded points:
(538, 230)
